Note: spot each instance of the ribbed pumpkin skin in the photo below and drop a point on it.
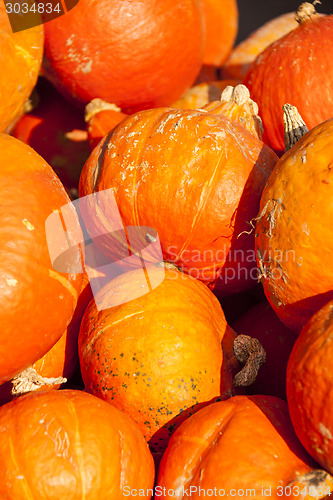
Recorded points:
(294, 233)
(146, 53)
(21, 56)
(70, 445)
(309, 386)
(159, 354)
(37, 302)
(193, 176)
(243, 54)
(243, 443)
(298, 70)
(262, 323)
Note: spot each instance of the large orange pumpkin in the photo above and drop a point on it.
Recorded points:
(296, 69)
(294, 239)
(193, 176)
(21, 56)
(160, 355)
(135, 54)
(37, 301)
(244, 444)
(309, 386)
(68, 444)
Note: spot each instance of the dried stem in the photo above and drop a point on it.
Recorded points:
(251, 353)
(29, 380)
(97, 105)
(294, 126)
(306, 11)
(317, 484)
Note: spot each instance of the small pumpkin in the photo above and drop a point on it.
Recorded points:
(101, 117)
(309, 383)
(21, 55)
(37, 301)
(134, 54)
(298, 70)
(203, 93)
(55, 129)
(245, 443)
(294, 226)
(246, 51)
(164, 162)
(157, 354)
(69, 444)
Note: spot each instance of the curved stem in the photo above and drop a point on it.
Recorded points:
(251, 353)
(294, 126)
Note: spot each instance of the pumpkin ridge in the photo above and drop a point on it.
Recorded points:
(63, 281)
(78, 448)
(24, 483)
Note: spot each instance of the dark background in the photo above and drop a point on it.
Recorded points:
(254, 13)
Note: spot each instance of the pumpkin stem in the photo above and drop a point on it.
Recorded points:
(29, 380)
(250, 352)
(294, 126)
(317, 484)
(97, 105)
(306, 11)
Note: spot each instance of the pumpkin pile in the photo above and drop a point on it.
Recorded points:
(166, 244)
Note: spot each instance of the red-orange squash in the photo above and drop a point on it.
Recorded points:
(56, 130)
(21, 56)
(158, 356)
(243, 444)
(193, 176)
(262, 323)
(246, 51)
(134, 54)
(37, 302)
(101, 117)
(309, 386)
(294, 240)
(68, 444)
(296, 69)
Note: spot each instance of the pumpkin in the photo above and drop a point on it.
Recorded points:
(37, 301)
(293, 228)
(101, 117)
(56, 130)
(261, 322)
(221, 23)
(69, 444)
(21, 58)
(309, 383)
(157, 356)
(242, 444)
(296, 69)
(246, 51)
(134, 54)
(201, 94)
(195, 178)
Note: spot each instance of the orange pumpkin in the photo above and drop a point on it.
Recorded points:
(243, 444)
(262, 323)
(101, 117)
(134, 54)
(56, 130)
(309, 382)
(20, 61)
(69, 444)
(195, 178)
(274, 77)
(201, 94)
(294, 239)
(246, 51)
(157, 356)
(37, 302)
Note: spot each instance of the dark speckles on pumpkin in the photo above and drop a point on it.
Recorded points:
(122, 355)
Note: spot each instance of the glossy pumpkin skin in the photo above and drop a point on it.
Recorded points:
(82, 448)
(309, 382)
(37, 302)
(157, 356)
(245, 52)
(212, 169)
(135, 61)
(20, 60)
(243, 443)
(295, 219)
(56, 130)
(221, 23)
(274, 78)
(261, 322)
